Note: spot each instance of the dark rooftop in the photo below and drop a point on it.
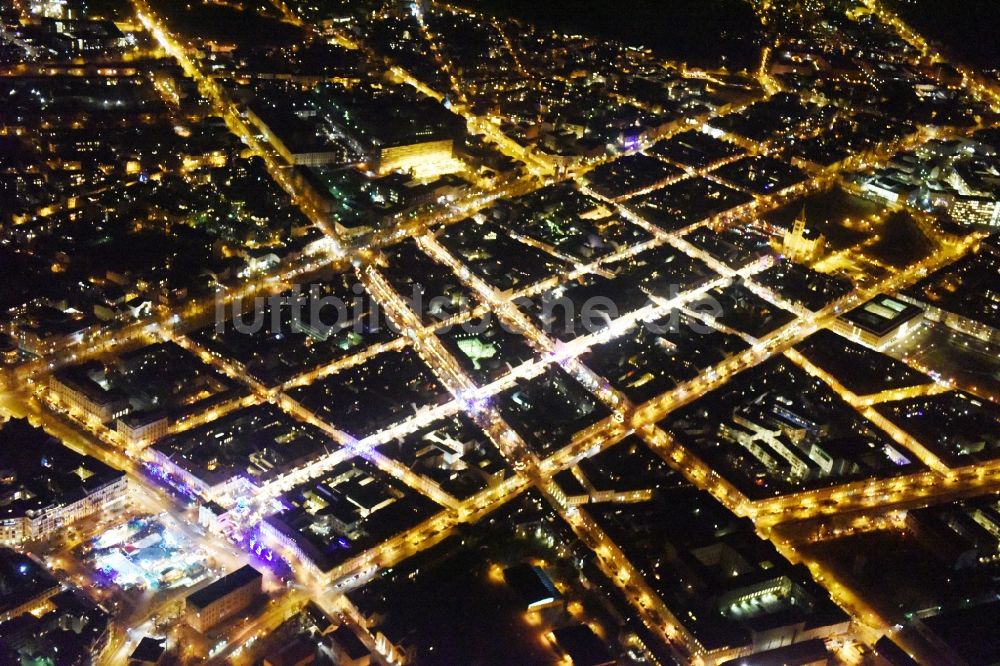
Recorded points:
(796, 654)
(39, 472)
(149, 649)
(583, 646)
(531, 584)
(220, 588)
(969, 633)
(21, 579)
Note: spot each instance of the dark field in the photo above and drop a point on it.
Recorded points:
(965, 28)
(709, 33)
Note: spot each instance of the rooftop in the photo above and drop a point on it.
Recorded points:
(218, 589)
(38, 472)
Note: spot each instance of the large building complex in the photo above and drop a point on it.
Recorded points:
(47, 487)
(223, 598)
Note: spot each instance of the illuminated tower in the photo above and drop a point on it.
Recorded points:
(802, 244)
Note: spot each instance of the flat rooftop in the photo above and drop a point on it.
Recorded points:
(220, 588)
(531, 584)
(796, 654)
(970, 633)
(881, 315)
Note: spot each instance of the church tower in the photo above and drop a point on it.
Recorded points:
(802, 244)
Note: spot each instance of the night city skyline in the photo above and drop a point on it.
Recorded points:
(496, 332)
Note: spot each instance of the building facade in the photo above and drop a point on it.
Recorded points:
(212, 605)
